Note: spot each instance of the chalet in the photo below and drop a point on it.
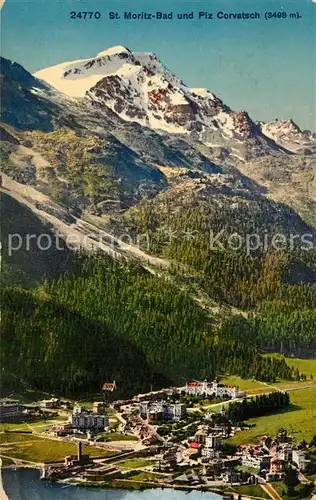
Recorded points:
(49, 404)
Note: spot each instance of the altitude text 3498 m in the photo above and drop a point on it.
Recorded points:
(202, 15)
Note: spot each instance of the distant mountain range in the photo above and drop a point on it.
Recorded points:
(99, 136)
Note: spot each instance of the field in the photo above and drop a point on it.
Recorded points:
(299, 420)
(17, 437)
(27, 396)
(249, 386)
(31, 448)
(250, 490)
(113, 436)
(38, 426)
(306, 366)
(135, 463)
(146, 476)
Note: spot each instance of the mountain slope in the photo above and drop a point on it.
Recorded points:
(140, 89)
(22, 259)
(93, 163)
(196, 128)
(120, 148)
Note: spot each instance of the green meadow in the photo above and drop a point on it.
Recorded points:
(31, 448)
(299, 419)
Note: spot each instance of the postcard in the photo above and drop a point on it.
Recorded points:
(158, 249)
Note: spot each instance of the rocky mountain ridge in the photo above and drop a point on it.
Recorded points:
(101, 149)
(140, 89)
(288, 134)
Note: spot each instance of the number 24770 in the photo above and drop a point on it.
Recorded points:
(85, 15)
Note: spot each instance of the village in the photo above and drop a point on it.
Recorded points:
(166, 438)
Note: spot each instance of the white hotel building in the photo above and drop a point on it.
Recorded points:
(215, 389)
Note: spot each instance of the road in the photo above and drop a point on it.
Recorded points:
(268, 488)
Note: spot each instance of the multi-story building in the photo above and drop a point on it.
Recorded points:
(77, 410)
(215, 389)
(265, 462)
(84, 420)
(298, 457)
(213, 442)
(160, 410)
(200, 436)
(155, 395)
(260, 462)
(61, 430)
(233, 476)
(208, 453)
(10, 411)
(251, 461)
(277, 470)
(285, 451)
(176, 411)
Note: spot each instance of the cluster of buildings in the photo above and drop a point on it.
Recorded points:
(167, 404)
(50, 404)
(86, 420)
(212, 389)
(73, 463)
(271, 457)
(211, 444)
(265, 462)
(195, 442)
(206, 442)
(54, 404)
(161, 410)
(194, 388)
(14, 411)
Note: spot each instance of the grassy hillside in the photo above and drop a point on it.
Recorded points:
(299, 420)
(307, 366)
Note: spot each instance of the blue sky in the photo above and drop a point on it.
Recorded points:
(265, 67)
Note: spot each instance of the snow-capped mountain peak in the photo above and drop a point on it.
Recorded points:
(288, 134)
(76, 77)
(118, 49)
(139, 88)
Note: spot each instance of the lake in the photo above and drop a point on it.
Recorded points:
(24, 484)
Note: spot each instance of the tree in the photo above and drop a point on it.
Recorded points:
(291, 480)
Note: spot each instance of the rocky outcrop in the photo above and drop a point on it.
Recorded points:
(244, 127)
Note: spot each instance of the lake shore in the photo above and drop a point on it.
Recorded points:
(121, 484)
(18, 484)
